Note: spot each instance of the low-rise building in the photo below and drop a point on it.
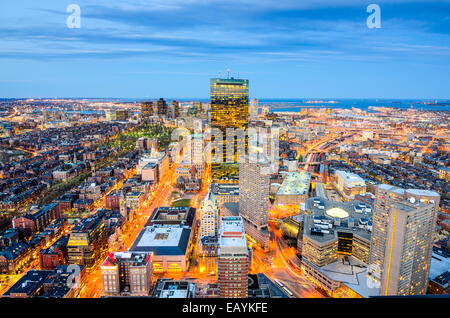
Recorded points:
(170, 245)
(127, 274)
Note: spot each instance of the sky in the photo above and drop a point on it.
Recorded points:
(171, 48)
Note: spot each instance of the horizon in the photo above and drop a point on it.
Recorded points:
(289, 99)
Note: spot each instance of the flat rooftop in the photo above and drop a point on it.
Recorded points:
(295, 183)
(350, 177)
(225, 189)
(162, 240)
(232, 232)
(353, 216)
(440, 264)
(168, 288)
(28, 283)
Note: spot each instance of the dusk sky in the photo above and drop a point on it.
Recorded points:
(171, 48)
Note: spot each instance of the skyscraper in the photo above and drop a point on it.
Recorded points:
(406, 265)
(233, 258)
(254, 104)
(254, 183)
(402, 238)
(176, 108)
(162, 107)
(229, 109)
(146, 109)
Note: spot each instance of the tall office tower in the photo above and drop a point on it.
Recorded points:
(406, 262)
(233, 258)
(229, 109)
(386, 196)
(46, 115)
(254, 104)
(127, 274)
(162, 107)
(209, 216)
(122, 115)
(254, 183)
(147, 109)
(176, 108)
(197, 108)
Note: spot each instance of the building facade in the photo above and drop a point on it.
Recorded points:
(229, 109)
(127, 274)
(233, 258)
(254, 184)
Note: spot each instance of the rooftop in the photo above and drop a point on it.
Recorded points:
(162, 240)
(232, 232)
(295, 183)
(330, 217)
(350, 177)
(29, 283)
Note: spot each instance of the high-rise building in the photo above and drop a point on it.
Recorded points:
(406, 262)
(193, 152)
(229, 109)
(254, 104)
(392, 215)
(176, 108)
(209, 216)
(126, 273)
(254, 183)
(233, 258)
(162, 107)
(147, 109)
(116, 115)
(122, 115)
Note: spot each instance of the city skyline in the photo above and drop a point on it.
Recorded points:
(249, 193)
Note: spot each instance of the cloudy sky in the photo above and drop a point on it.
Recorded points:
(170, 48)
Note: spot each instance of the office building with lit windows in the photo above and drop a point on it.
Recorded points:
(233, 258)
(229, 109)
(162, 107)
(386, 196)
(127, 274)
(254, 184)
(147, 109)
(402, 240)
(87, 241)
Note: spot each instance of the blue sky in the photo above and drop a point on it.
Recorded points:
(170, 48)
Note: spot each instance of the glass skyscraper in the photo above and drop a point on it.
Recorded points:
(229, 109)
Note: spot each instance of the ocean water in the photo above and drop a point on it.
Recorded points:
(291, 105)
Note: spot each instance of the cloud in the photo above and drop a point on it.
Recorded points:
(239, 30)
